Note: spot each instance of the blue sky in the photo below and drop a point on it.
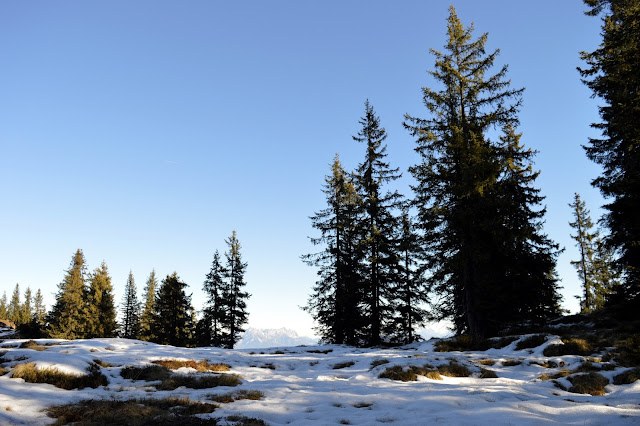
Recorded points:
(145, 132)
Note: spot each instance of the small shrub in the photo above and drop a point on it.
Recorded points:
(133, 412)
(511, 362)
(32, 344)
(377, 362)
(277, 353)
(487, 374)
(398, 373)
(200, 366)
(627, 377)
(343, 365)
(227, 398)
(629, 352)
(531, 342)
(30, 374)
(590, 383)
(486, 362)
(586, 367)
(344, 422)
(571, 346)
(454, 369)
(318, 351)
(199, 382)
(149, 373)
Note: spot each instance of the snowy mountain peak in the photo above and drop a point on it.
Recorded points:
(272, 337)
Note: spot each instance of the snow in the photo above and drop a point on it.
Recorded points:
(303, 388)
(270, 337)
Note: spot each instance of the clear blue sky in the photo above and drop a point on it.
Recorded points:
(145, 132)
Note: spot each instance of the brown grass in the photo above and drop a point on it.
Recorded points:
(343, 365)
(466, 343)
(32, 344)
(134, 412)
(531, 342)
(487, 374)
(511, 362)
(200, 366)
(362, 404)
(147, 373)
(562, 373)
(199, 382)
(545, 364)
(590, 383)
(433, 375)
(454, 369)
(101, 363)
(486, 362)
(226, 398)
(377, 362)
(3, 371)
(30, 374)
(571, 346)
(627, 377)
(317, 351)
(245, 421)
(397, 372)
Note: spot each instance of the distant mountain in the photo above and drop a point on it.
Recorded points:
(268, 338)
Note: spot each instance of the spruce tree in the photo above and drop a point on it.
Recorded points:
(130, 327)
(209, 330)
(336, 303)
(172, 322)
(149, 307)
(612, 74)
(14, 310)
(100, 304)
(68, 317)
(233, 295)
(26, 308)
(39, 308)
(594, 266)
(4, 311)
(475, 208)
(379, 225)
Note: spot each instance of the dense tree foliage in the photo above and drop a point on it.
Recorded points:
(209, 330)
(612, 74)
(101, 310)
(234, 298)
(130, 326)
(474, 196)
(149, 307)
(172, 322)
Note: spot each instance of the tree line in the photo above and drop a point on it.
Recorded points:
(469, 243)
(85, 307)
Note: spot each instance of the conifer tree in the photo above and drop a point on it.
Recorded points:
(130, 327)
(336, 302)
(472, 204)
(68, 317)
(172, 322)
(149, 307)
(4, 312)
(100, 305)
(14, 306)
(612, 74)
(39, 308)
(209, 331)
(379, 225)
(234, 297)
(594, 266)
(26, 308)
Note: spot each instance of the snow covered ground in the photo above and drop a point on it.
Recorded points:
(301, 386)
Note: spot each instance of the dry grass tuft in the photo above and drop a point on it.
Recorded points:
(201, 366)
(362, 404)
(149, 373)
(487, 374)
(199, 382)
(572, 346)
(466, 343)
(562, 373)
(30, 374)
(511, 362)
(32, 344)
(101, 363)
(545, 364)
(454, 369)
(531, 342)
(226, 398)
(486, 362)
(133, 412)
(318, 351)
(245, 421)
(377, 362)
(433, 375)
(590, 383)
(343, 365)
(3, 371)
(627, 377)
(397, 372)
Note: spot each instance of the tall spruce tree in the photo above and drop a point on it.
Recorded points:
(68, 317)
(4, 311)
(336, 302)
(594, 266)
(100, 304)
(130, 327)
(209, 331)
(471, 201)
(379, 225)
(26, 308)
(149, 307)
(612, 74)
(172, 322)
(233, 295)
(14, 306)
(39, 308)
